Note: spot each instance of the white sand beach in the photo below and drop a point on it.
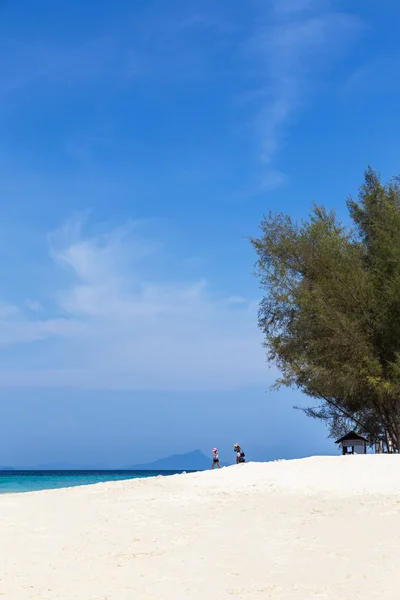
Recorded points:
(317, 528)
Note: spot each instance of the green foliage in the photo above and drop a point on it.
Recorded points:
(331, 310)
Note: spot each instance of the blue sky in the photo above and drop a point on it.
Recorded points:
(141, 142)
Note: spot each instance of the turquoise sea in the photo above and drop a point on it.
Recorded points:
(31, 481)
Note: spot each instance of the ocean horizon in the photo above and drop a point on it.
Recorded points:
(19, 481)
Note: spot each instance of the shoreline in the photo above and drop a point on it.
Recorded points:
(57, 480)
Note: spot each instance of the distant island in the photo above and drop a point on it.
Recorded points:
(191, 461)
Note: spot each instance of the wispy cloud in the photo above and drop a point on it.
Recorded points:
(289, 46)
(298, 43)
(376, 77)
(110, 326)
(42, 62)
(140, 43)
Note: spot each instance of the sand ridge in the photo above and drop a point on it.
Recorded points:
(322, 527)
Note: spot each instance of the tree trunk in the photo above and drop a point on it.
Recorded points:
(388, 441)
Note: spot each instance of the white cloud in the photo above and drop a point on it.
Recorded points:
(113, 327)
(33, 305)
(299, 42)
(290, 7)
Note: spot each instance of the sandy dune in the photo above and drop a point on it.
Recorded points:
(318, 528)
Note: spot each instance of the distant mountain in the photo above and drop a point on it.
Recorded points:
(191, 461)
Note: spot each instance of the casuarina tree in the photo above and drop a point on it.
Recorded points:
(331, 309)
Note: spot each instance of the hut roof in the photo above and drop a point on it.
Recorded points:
(352, 435)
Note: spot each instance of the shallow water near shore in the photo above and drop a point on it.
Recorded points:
(32, 481)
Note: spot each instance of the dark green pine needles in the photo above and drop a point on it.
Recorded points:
(331, 310)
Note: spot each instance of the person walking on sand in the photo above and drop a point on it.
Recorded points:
(240, 455)
(215, 462)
